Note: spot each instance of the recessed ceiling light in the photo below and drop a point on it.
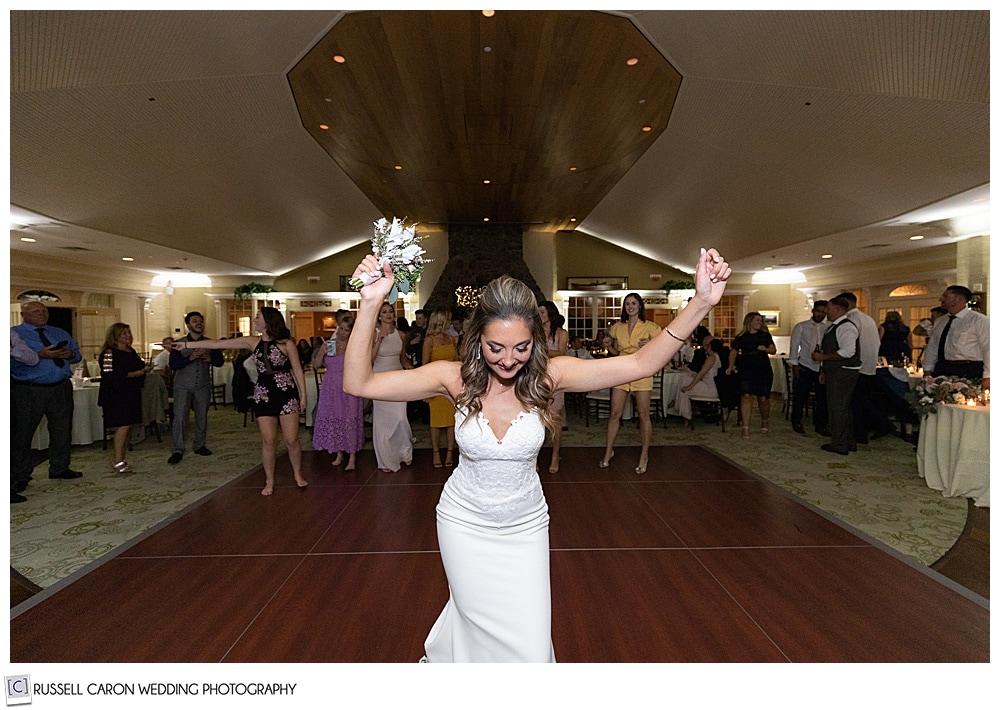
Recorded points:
(339, 58)
(486, 219)
(28, 239)
(572, 219)
(647, 129)
(916, 237)
(398, 167)
(632, 61)
(487, 49)
(486, 182)
(127, 258)
(328, 100)
(768, 268)
(826, 256)
(324, 127)
(572, 169)
(488, 13)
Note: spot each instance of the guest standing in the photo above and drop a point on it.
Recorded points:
(193, 384)
(438, 345)
(749, 359)
(870, 418)
(632, 332)
(279, 393)
(339, 425)
(959, 345)
(122, 376)
(37, 390)
(392, 438)
(806, 339)
(895, 339)
(840, 356)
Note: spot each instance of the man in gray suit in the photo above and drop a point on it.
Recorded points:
(192, 386)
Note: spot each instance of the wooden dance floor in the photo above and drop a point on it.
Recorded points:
(697, 561)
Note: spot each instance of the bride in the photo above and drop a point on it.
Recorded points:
(492, 519)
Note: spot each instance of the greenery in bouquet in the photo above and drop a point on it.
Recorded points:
(931, 391)
(396, 242)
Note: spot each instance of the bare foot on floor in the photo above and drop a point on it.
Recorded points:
(339, 460)
(301, 482)
(268, 490)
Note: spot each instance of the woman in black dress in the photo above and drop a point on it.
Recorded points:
(280, 392)
(122, 375)
(896, 344)
(748, 358)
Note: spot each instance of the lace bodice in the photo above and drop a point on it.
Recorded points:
(495, 476)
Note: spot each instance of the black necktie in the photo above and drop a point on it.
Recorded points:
(944, 335)
(46, 343)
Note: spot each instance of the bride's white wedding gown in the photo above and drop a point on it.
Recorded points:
(493, 531)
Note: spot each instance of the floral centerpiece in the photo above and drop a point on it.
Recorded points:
(397, 243)
(931, 391)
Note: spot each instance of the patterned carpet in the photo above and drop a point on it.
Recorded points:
(66, 525)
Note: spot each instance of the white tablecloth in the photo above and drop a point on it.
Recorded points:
(88, 420)
(953, 452)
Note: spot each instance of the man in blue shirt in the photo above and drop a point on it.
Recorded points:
(40, 389)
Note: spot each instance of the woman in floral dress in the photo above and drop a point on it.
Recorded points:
(280, 393)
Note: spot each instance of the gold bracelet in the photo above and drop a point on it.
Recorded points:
(672, 335)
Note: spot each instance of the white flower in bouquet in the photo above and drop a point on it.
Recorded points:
(397, 244)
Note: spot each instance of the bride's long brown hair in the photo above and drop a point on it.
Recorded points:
(503, 299)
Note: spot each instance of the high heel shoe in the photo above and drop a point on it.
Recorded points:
(641, 468)
(763, 427)
(448, 458)
(437, 459)
(121, 467)
(554, 466)
(604, 463)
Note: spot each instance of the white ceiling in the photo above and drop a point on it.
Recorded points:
(172, 138)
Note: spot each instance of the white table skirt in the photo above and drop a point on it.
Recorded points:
(953, 452)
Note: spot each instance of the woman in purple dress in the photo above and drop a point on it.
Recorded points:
(339, 423)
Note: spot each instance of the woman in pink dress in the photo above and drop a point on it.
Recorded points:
(339, 425)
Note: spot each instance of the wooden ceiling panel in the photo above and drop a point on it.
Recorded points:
(455, 98)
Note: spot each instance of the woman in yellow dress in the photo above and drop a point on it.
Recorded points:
(438, 345)
(628, 335)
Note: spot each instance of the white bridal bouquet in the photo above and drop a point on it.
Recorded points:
(397, 243)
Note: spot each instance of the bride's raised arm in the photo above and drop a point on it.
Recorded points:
(360, 379)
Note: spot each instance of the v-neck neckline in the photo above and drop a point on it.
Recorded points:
(500, 439)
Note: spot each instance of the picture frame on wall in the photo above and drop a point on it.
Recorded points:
(596, 283)
(772, 319)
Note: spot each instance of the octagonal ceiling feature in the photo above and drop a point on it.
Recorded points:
(453, 117)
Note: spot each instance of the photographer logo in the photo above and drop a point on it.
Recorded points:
(18, 689)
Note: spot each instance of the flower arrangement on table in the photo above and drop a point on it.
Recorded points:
(397, 243)
(931, 391)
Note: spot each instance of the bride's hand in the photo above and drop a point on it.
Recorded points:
(379, 288)
(711, 276)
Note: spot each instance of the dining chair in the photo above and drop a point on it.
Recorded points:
(598, 404)
(218, 391)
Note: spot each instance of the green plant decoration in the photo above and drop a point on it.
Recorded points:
(677, 285)
(247, 291)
